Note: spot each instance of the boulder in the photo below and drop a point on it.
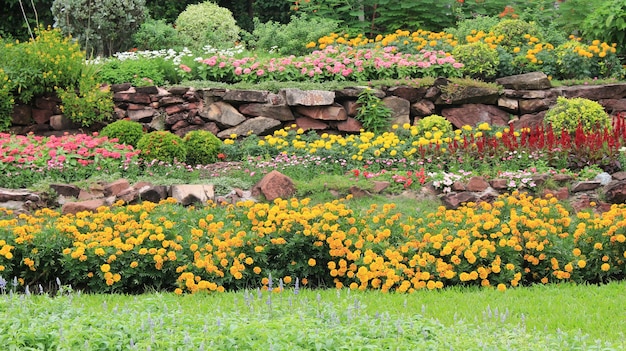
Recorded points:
(256, 125)
(526, 81)
(297, 97)
(412, 94)
(473, 114)
(615, 193)
(334, 112)
(400, 109)
(423, 108)
(21, 115)
(307, 123)
(452, 201)
(274, 185)
(278, 112)
(187, 194)
(245, 95)
(223, 114)
(469, 95)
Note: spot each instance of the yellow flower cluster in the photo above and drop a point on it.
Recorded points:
(420, 39)
(515, 240)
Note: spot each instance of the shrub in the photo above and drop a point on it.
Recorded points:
(568, 114)
(101, 27)
(469, 26)
(207, 24)
(138, 72)
(38, 66)
(125, 131)
(291, 38)
(513, 31)
(434, 123)
(479, 59)
(156, 35)
(6, 100)
(163, 146)
(202, 147)
(86, 102)
(607, 23)
(372, 113)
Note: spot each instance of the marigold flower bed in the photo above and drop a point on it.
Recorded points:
(516, 240)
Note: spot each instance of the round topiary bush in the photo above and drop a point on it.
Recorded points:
(434, 123)
(126, 132)
(163, 146)
(207, 24)
(202, 147)
(479, 59)
(568, 114)
(511, 32)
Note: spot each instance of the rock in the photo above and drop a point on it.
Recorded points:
(223, 114)
(469, 95)
(170, 100)
(353, 92)
(326, 113)
(452, 201)
(67, 190)
(613, 106)
(561, 193)
(380, 186)
(116, 187)
(153, 193)
(526, 81)
(585, 186)
(278, 112)
(150, 90)
(350, 125)
(178, 90)
(41, 116)
(175, 118)
(135, 98)
(535, 105)
(351, 107)
(530, 94)
(79, 206)
(477, 184)
(458, 186)
(116, 88)
(297, 97)
(307, 123)
(60, 122)
(21, 115)
(358, 193)
(423, 108)
(274, 185)
(594, 92)
(508, 104)
(173, 109)
(246, 95)
(604, 178)
(499, 184)
(619, 175)
(400, 110)
(144, 115)
(188, 194)
(256, 125)
(616, 193)
(17, 195)
(474, 114)
(529, 120)
(412, 94)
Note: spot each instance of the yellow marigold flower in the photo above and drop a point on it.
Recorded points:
(105, 268)
(134, 264)
(256, 270)
(605, 267)
(597, 246)
(312, 262)
(501, 287)
(287, 279)
(576, 252)
(582, 263)
(178, 291)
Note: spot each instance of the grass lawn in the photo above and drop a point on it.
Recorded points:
(554, 317)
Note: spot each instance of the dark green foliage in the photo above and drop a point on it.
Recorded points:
(101, 27)
(156, 35)
(202, 147)
(12, 23)
(513, 31)
(291, 38)
(608, 23)
(480, 60)
(372, 113)
(126, 132)
(162, 146)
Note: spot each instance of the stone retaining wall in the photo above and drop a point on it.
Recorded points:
(522, 102)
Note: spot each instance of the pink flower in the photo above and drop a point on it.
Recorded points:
(247, 71)
(260, 72)
(185, 68)
(238, 71)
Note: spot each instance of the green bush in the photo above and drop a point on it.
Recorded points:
(568, 114)
(479, 59)
(6, 100)
(102, 27)
(137, 71)
(86, 102)
(162, 146)
(466, 27)
(125, 131)
(607, 23)
(156, 35)
(202, 147)
(513, 31)
(434, 123)
(291, 38)
(39, 66)
(207, 24)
